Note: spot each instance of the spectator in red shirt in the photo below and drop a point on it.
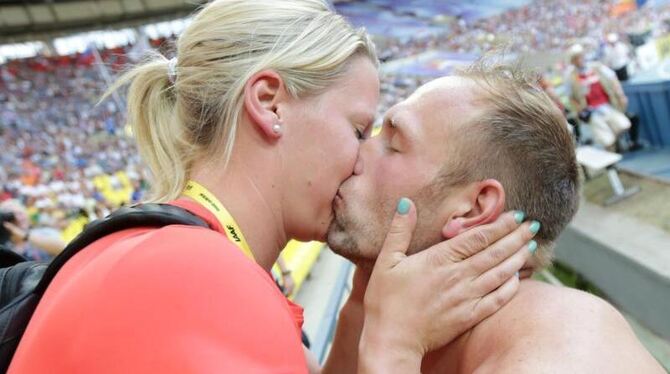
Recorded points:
(596, 93)
(253, 127)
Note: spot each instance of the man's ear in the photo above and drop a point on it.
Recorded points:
(480, 203)
(261, 94)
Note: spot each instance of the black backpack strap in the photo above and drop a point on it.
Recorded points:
(143, 215)
(9, 258)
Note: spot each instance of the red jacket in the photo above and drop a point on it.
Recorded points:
(179, 299)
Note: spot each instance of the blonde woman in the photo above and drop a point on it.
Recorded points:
(252, 127)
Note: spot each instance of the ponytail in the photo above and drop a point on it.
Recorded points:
(155, 125)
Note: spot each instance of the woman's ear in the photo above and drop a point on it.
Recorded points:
(480, 204)
(261, 93)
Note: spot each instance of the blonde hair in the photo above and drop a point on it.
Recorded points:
(227, 42)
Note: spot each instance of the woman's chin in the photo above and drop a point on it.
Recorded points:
(318, 233)
(322, 232)
(315, 228)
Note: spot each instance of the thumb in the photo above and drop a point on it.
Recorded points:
(400, 234)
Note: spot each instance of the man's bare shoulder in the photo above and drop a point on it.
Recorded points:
(557, 329)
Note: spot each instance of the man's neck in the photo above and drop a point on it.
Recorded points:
(487, 339)
(448, 359)
(254, 203)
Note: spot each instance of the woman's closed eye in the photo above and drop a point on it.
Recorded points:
(362, 134)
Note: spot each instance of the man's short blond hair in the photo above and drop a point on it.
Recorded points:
(528, 148)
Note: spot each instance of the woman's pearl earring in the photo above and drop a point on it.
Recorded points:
(276, 128)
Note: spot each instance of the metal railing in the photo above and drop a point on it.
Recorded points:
(324, 337)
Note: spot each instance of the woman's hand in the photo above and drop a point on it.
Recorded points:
(418, 303)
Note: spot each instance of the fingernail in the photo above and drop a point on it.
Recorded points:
(519, 216)
(535, 227)
(532, 246)
(403, 206)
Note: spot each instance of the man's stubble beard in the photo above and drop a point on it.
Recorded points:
(359, 238)
(360, 242)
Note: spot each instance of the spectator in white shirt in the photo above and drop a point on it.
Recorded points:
(617, 56)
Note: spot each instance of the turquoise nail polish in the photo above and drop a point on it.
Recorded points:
(532, 246)
(519, 216)
(534, 227)
(403, 206)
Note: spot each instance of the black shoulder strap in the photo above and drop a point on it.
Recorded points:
(9, 258)
(143, 215)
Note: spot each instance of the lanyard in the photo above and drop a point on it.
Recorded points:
(200, 194)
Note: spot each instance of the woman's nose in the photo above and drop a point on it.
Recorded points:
(358, 166)
(365, 155)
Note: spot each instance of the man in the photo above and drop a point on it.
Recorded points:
(596, 94)
(464, 149)
(616, 55)
(38, 244)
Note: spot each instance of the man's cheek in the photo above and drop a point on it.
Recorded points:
(390, 184)
(384, 176)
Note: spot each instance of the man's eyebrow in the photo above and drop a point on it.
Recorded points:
(399, 123)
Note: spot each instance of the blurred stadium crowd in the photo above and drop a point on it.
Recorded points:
(542, 25)
(68, 161)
